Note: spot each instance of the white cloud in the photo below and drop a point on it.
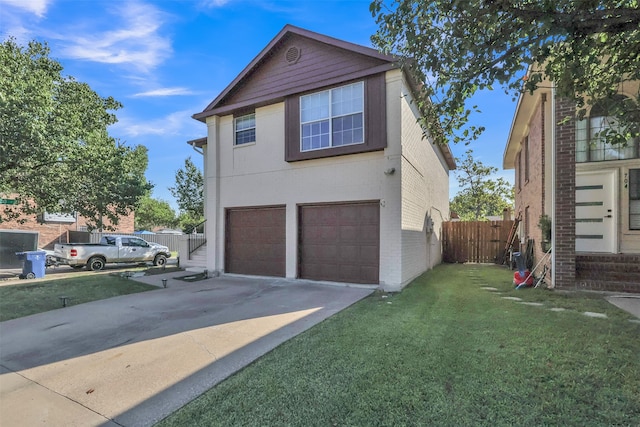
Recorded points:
(16, 30)
(37, 7)
(177, 123)
(137, 42)
(214, 3)
(165, 91)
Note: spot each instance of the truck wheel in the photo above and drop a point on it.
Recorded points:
(160, 260)
(95, 263)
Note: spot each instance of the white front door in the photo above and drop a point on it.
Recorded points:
(596, 211)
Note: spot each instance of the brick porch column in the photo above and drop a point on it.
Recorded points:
(565, 195)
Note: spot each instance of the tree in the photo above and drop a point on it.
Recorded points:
(188, 192)
(153, 213)
(587, 48)
(55, 152)
(479, 195)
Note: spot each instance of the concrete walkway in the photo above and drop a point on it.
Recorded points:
(627, 302)
(133, 360)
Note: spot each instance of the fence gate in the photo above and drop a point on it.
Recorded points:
(474, 241)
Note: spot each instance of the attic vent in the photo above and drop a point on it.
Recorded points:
(292, 55)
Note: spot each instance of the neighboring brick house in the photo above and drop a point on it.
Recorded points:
(316, 168)
(589, 190)
(54, 228)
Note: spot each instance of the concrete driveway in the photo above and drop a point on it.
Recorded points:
(133, 360)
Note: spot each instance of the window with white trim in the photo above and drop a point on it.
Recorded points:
(332, 118)
(245, 129)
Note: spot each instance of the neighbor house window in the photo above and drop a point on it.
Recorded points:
(591, 146)
(332, 118)
(634, 199)
(245, 128)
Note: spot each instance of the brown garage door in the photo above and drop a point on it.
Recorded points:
(255, 241)
(340, 243)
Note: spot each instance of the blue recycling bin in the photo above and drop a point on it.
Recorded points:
(519, 259)
(34, 264)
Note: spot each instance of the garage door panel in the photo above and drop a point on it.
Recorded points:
(348, 232)
(369, 274)
(370, 233)
(349, 216)
(350, 272)
(255, 241)
(340, 242)
(370, 255)
(320, 253)
(319, 271)
(349, 252)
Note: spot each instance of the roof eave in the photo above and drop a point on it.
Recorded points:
(444, 148)
(290, 29)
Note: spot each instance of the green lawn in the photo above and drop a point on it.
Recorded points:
(28, 297)
(442, 352)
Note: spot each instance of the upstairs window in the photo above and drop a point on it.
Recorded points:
(245, 129)
(591, 146)
(332, 118)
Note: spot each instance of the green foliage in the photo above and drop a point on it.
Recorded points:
(153, 213)
(55, 151)
(189, 223)
(588, 49)
(545, 226)
(188, 192)
(479, 196)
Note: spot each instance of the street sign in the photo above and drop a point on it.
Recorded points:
(7, 201)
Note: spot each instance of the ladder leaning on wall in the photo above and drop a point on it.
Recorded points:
(508, 248)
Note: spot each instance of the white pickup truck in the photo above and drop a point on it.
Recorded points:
(111, 249)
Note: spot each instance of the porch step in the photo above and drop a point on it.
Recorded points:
(607, 285)
(614, 272)
(196, 269)
(199, 258)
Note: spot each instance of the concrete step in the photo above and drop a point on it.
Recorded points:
(195, 269)
(607, 285)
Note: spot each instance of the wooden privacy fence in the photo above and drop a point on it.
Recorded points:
(475, 241)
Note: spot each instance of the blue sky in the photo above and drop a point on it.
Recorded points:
(166, 60)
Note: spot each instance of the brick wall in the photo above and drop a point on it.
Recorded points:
(610, 272)
(530, 192)
(51, 233)
(565, 195)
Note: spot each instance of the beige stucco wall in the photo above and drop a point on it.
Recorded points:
(257, 175)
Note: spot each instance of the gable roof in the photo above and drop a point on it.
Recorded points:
(269, 78)
(525, 108)
(246, 90)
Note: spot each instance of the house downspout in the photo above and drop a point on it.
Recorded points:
(553, 183)
(196, 149)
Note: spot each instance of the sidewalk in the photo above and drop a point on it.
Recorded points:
(627, 302)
